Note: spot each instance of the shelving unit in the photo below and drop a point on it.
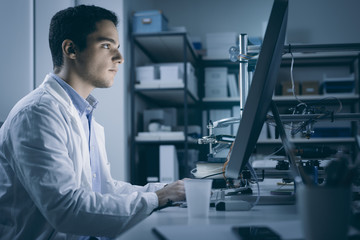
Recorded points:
(162, 47)
(176, 47)
(306, 56)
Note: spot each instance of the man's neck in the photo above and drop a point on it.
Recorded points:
(78, 84)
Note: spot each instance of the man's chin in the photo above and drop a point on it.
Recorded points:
(105, 84)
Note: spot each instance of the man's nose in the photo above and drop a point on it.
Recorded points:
(118, 57)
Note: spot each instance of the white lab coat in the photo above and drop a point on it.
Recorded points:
(45, 175)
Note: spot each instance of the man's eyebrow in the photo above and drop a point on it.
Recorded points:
(102, 39)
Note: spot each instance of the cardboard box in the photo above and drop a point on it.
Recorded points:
(310, 88)
(287, 88)
(149, 21)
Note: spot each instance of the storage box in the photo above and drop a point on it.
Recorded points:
(171, 72)
(149, 21)
(216, 75)
(287, 88)
(215, 91)
(146, 73)
(324, 132)
(174, 72)
(339, 84)
(310, 88)
(218, 44)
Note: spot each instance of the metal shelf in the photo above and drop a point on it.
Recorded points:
(167, 141)
(167, 96)
(166, 46)
(325, 99)
(310, 141)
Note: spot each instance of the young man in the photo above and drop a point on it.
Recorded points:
(55, 179)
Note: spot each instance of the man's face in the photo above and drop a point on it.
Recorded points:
(98, 63)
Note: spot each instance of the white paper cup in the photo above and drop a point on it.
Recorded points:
(198, 193)
(324, 211)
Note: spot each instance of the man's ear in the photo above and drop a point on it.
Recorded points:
(69, 49)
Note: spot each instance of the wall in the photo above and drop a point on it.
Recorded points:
(16, 58)
(320, 21)
(43, 12)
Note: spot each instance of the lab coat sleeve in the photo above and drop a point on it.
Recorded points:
(39, 143)
(119, 187)
(125, 188)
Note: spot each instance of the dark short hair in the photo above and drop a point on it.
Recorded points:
(75, 23)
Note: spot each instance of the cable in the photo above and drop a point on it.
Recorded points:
(292, 77)
(337, 99)
(271, 154)
(211, 175)
(253, 173)
(227, 160)
(206, 171)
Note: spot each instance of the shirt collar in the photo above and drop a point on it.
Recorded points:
(82, 105)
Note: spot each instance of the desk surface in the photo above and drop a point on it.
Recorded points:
(174, 220)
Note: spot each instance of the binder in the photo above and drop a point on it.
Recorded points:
(169, 167)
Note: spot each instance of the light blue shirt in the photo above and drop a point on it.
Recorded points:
(85, 109)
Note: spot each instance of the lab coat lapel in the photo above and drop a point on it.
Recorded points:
(59, 93)
(107, 185)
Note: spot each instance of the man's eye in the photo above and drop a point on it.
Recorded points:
(107, 46)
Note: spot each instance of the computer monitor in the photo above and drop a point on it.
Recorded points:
(261, 90)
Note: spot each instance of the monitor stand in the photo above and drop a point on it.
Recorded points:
(266, 198)
(288, 146)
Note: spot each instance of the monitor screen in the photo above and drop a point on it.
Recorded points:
(261, 90)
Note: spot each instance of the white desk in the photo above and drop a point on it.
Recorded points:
(281, 218)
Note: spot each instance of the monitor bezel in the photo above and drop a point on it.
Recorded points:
(261, 90)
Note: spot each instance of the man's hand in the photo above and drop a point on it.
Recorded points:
(174, 191)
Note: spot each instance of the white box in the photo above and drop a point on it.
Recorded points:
(216, 75)
(144, 73)
(215, 91)
(190, 69)
(169, 167)
(170, 72)
(175, 72)
(216, 40)
(217, 53)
